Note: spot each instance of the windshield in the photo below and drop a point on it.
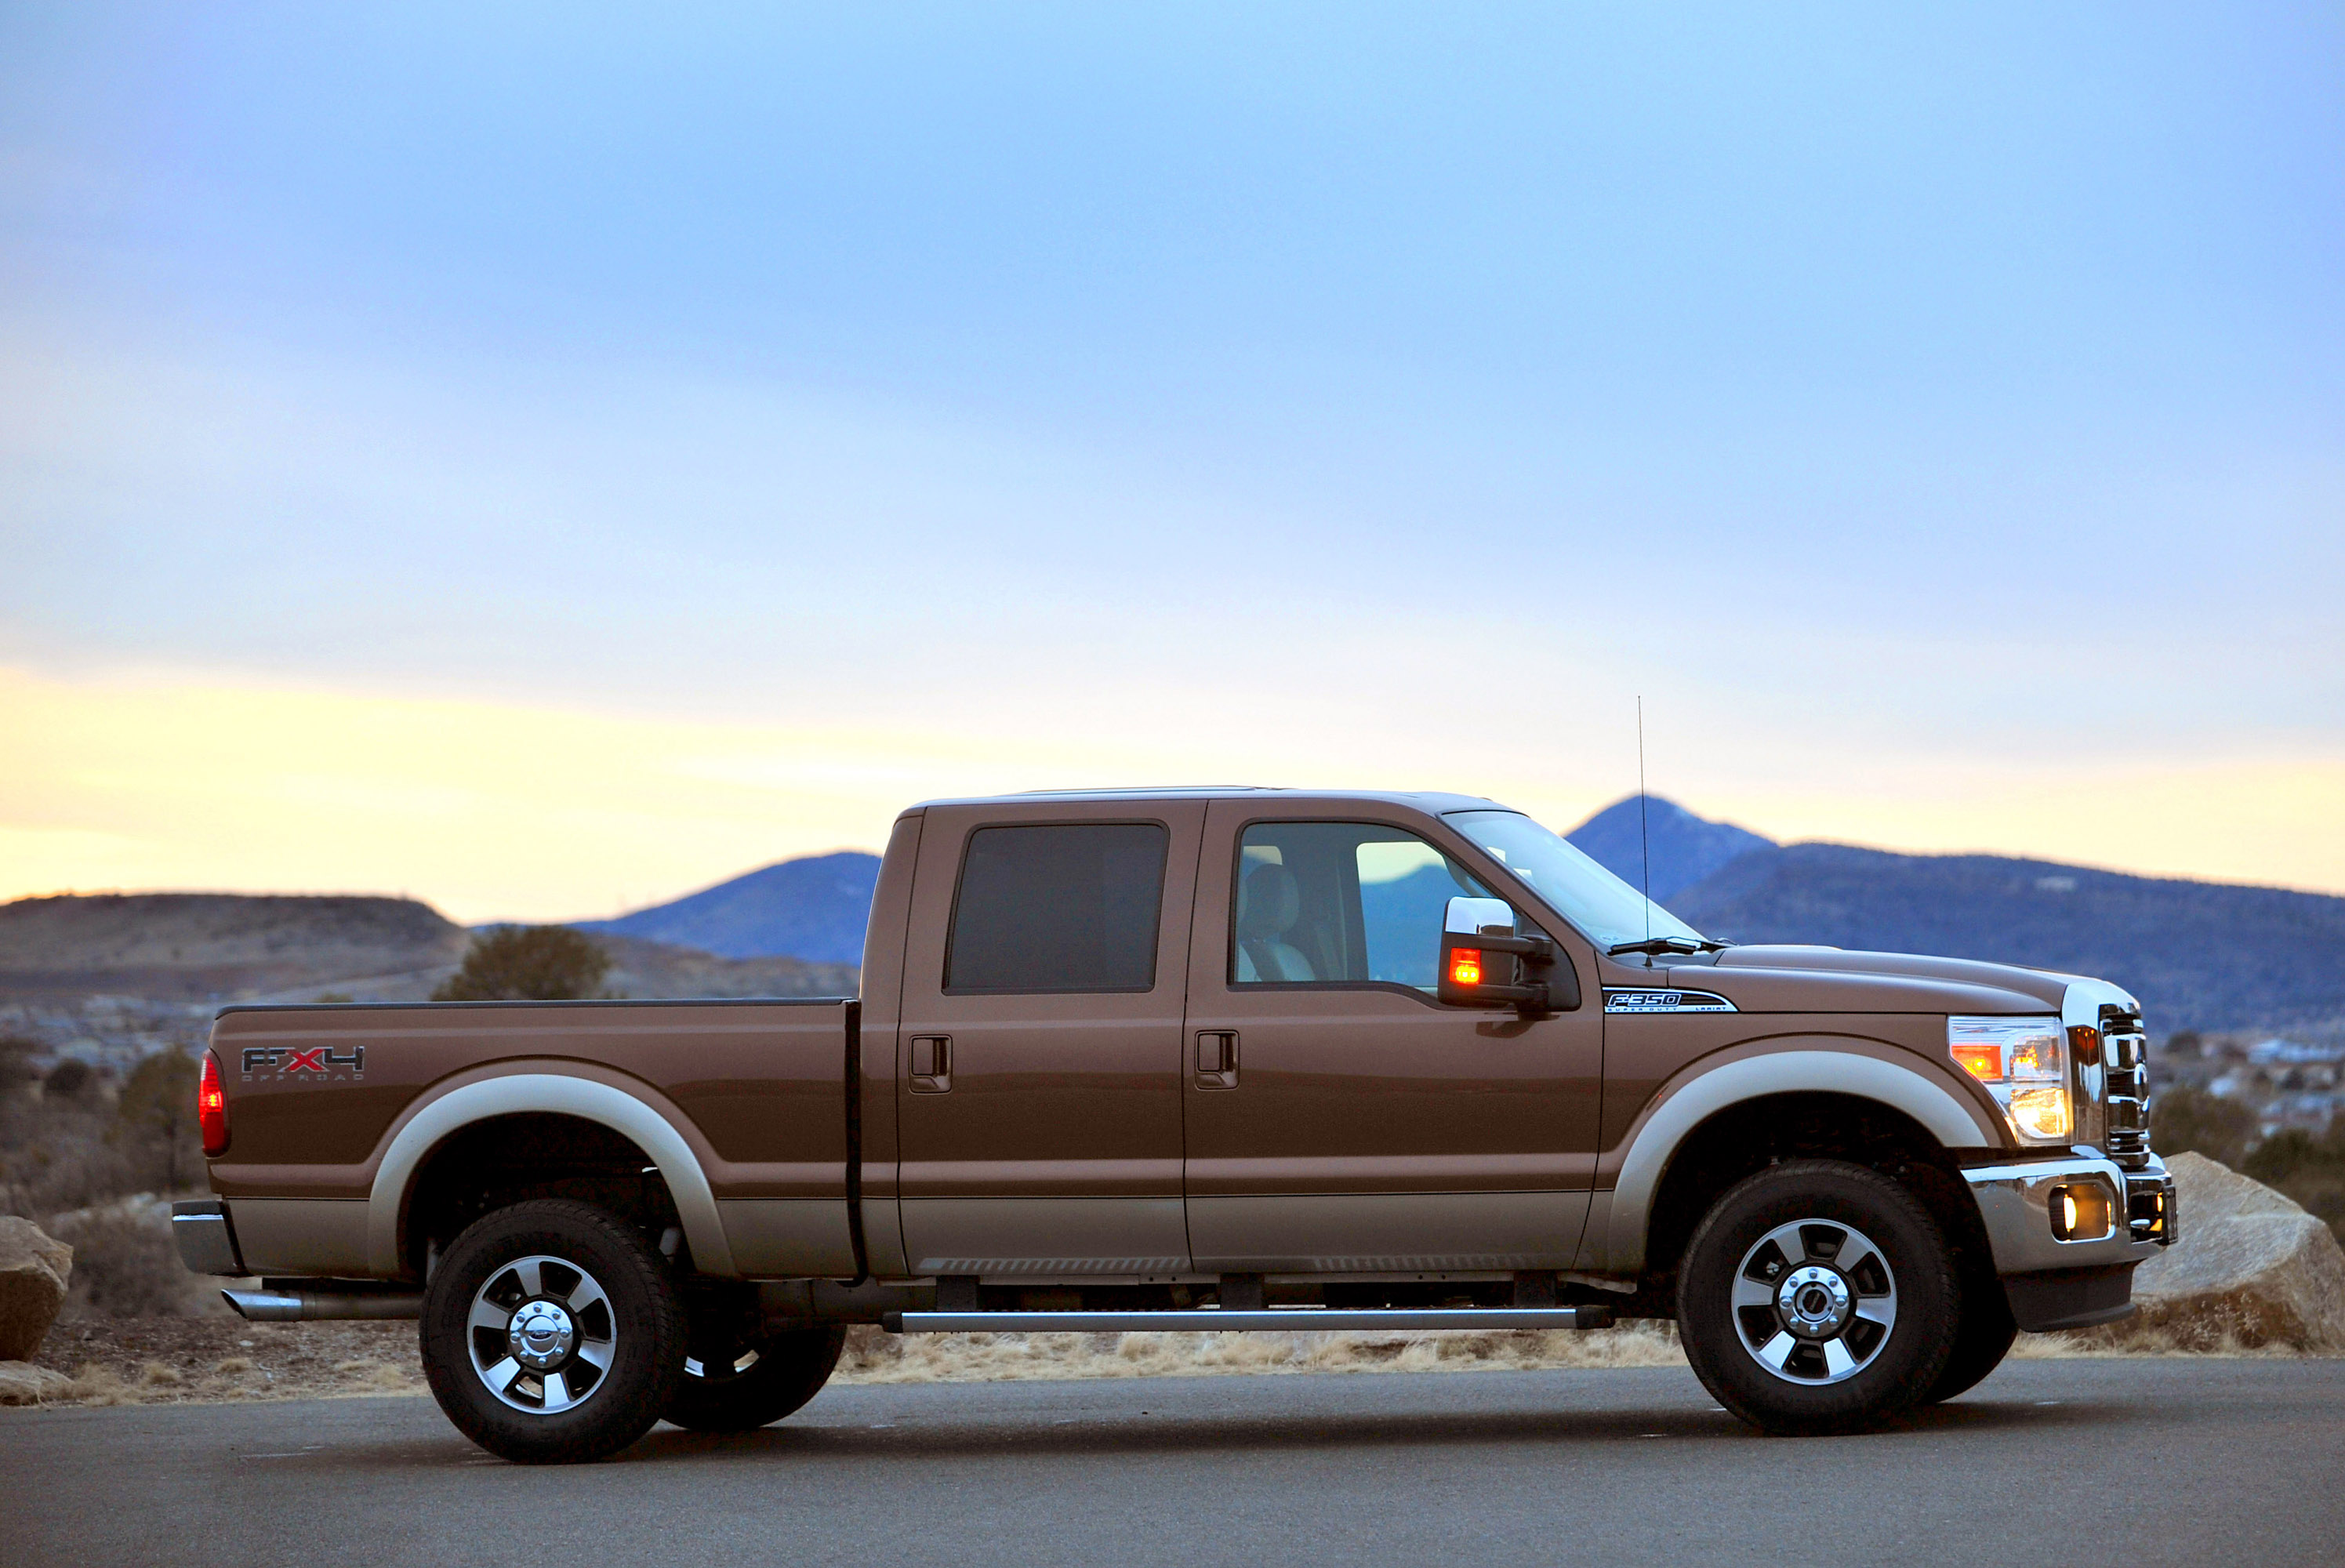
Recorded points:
(1607, 908)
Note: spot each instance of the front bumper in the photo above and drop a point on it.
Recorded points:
(2071, 1284)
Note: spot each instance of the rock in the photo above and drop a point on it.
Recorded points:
(33, 1274)
(2249, 1269)
(22, 1383)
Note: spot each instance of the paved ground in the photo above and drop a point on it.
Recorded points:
(2139, 1462)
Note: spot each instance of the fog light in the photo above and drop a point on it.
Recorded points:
(2082, 1211)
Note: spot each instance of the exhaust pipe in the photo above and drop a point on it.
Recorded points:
(319, 1306)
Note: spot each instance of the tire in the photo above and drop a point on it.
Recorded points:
(1817, 1297)
(748, 1383)
(552, 1333)
(1982, 1340)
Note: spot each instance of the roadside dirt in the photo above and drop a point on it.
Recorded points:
(201, 1360)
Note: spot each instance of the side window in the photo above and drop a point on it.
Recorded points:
(1067, 907)
(1342, 902)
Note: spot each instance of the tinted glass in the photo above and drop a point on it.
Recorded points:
(1063, 908)
(1583, 892)
(1321, 902)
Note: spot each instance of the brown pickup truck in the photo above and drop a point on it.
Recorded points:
(1207, 1059)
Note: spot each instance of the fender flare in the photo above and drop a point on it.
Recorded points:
(1707, 1091)
(556, 1094)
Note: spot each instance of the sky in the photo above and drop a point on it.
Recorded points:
(545, 460)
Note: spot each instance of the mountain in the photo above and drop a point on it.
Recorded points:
(813, 909)
(1686, 848)
(2199, 954)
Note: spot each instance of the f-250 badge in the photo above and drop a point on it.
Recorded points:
(297, 1063)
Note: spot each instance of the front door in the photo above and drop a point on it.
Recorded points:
(1340, 1119)
(1039, 1074)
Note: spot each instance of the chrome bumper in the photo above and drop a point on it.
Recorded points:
(207, 1239)
(2015, 1201)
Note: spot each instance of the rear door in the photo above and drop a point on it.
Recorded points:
(1339, 1119)
(1039, 1070)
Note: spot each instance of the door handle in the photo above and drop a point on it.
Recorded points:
(1217, 1058)
(931, 1064)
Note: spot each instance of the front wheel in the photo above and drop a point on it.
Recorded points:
(552, 1333)
(1817, 1296)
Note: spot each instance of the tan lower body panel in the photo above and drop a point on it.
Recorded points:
(1045, 1238)
(312, 1237)
(789, 1237)
(1356, 1233)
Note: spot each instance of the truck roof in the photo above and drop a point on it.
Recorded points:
(1435, 801)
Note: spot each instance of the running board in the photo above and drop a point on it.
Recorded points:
(1212, 1320)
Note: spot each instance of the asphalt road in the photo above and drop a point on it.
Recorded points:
(2136, 1463)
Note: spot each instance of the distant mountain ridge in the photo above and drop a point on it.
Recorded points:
(814, 908)
(1686, 848)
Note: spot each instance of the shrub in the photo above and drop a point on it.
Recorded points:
(155, 1122)
(527, 964)
(2183, 1117)
(124, 1266)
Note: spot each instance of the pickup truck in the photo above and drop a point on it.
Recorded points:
(1211, 1059)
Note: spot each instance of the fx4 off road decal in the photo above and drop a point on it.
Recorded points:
(314, 1064)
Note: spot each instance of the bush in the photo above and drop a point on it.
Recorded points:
(2308, 1169)
(527, 964)
(2183, 1117)
(124, 1266)
(155, 1122)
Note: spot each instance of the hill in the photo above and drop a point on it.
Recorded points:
(1685, 847)
(2199, 954)
(195, 946)
(813, 909)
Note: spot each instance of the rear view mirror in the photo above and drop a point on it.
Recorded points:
(1484, 965)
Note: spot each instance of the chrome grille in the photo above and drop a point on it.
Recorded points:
(2124, 1057)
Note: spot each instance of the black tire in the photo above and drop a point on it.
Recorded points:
(1981, 1341)
(755, 1382)
(1833, 1365)
(576, 1286)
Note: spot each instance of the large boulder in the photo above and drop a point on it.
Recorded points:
(33, 1274)
(2249, 1269)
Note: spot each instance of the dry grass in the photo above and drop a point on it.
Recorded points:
(875, 1357)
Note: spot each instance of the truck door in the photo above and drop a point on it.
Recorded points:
(1039, 1070)
(1340, 1119)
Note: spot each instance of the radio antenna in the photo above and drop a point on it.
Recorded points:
(1644, 836)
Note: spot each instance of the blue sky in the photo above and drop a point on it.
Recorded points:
(1936, 420)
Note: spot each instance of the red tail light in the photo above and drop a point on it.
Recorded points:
(211, 1108)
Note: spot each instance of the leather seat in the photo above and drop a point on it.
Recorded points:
(1269, 902)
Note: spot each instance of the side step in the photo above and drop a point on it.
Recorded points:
(1212, 1320)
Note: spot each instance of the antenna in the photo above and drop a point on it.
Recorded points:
(1644, 837)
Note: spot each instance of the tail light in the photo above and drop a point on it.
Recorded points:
(211, 1108)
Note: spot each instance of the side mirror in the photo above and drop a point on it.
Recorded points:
(1484, 965)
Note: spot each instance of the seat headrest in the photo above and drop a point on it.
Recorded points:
(1268, 902)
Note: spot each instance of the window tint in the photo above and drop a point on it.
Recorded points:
(1341, 901)
(1063, 908)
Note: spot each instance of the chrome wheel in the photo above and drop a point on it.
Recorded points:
(1814, 1301)
(541, 1334)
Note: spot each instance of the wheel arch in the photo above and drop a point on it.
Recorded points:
(1889, 1103)
(636, 1113)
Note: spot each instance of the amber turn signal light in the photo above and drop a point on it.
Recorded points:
(1984, 1063)
(211, 1108)
(1464, 967)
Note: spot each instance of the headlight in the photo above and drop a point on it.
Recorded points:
(2024, 1063)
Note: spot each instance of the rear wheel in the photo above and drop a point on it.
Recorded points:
(1817, 1296)
(743, 1381)
(552, 1333)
